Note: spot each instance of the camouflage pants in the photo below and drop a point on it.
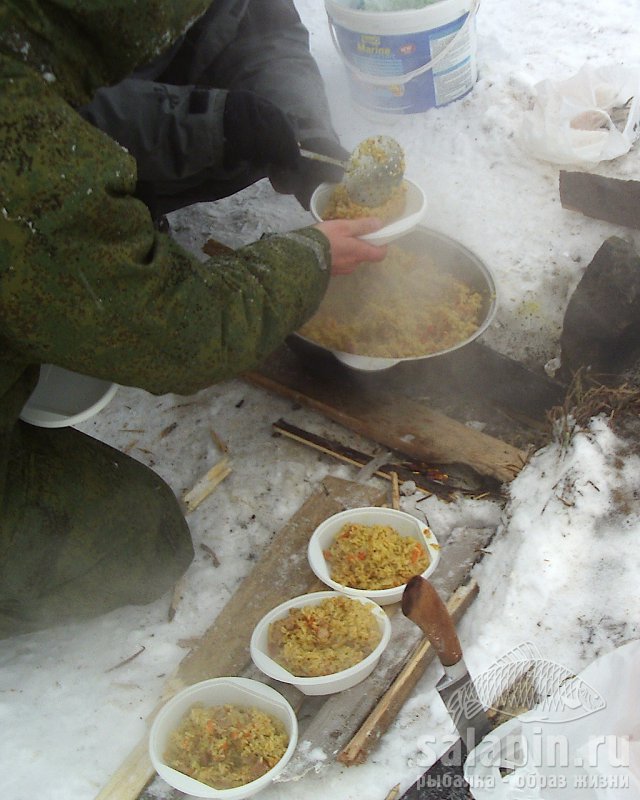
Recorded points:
(84, 529)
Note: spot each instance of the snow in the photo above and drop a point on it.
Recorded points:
(562, 571)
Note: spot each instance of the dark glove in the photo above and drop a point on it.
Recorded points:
(309, 174)
(257, 131)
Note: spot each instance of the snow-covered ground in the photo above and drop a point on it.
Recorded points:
(564, 567)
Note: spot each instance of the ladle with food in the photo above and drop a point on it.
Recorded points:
(374, 185)
(374, 169)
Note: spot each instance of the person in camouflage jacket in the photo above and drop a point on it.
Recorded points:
(88, 283)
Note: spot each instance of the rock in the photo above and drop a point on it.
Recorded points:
(601, 329)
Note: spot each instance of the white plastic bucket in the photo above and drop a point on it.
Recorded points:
(406, 62)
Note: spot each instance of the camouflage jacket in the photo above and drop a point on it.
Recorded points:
(85, 280)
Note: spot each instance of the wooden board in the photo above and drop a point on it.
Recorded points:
(391, 418)
(609, 199)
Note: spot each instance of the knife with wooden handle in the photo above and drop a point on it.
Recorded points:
(422, 604)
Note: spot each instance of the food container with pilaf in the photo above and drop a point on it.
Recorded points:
(224, 738)
(322, 642)
(372, 552)
(405, 209)
(428, 297)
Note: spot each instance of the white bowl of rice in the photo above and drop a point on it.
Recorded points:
(411, 213)
(372, 552)
(223, 738)
(322, 642)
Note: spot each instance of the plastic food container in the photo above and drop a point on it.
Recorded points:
(325, 684)
(215, 692)
(414, 212)
(63, 398)
(403, 523)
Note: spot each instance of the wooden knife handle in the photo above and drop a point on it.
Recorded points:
(423, 605)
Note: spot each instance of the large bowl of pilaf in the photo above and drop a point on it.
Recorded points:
(428, 297)
(322, 642)
(223, 738)
(372, 552)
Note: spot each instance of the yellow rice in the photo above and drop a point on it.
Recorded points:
(374, 557)
(226, 746)
(401, 307)
(322, 639)
(341, 206)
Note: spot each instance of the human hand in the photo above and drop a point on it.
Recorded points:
(309, 174)
(256, 130)
(347, 250)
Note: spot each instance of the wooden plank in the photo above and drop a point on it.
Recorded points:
(396, 421)
(428, 479)
(608, 199)
(224, 647)
(358, 748)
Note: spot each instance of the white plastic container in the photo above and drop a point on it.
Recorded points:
(405, 524)
(406, 62)
(325, 684)
(63, 398)
(215, 692)
(414, 212)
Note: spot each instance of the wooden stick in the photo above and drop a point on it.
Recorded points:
(222, 446)
(403, 424)
(127, 660)
(214, 248)
(395, 491)
(211, 553)
(206, 485)
(176, 597)
(429, 480)
(357, 750)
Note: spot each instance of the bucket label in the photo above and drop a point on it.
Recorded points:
(376, 59)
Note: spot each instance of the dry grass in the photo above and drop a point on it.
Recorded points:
(587, 398)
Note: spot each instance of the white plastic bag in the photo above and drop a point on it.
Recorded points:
(595, 756)
(591, 117)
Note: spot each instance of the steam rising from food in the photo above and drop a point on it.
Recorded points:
(401, 307)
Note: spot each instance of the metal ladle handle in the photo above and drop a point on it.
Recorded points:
(321, 157)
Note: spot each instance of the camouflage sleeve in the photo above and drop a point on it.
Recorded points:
(88, 284)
